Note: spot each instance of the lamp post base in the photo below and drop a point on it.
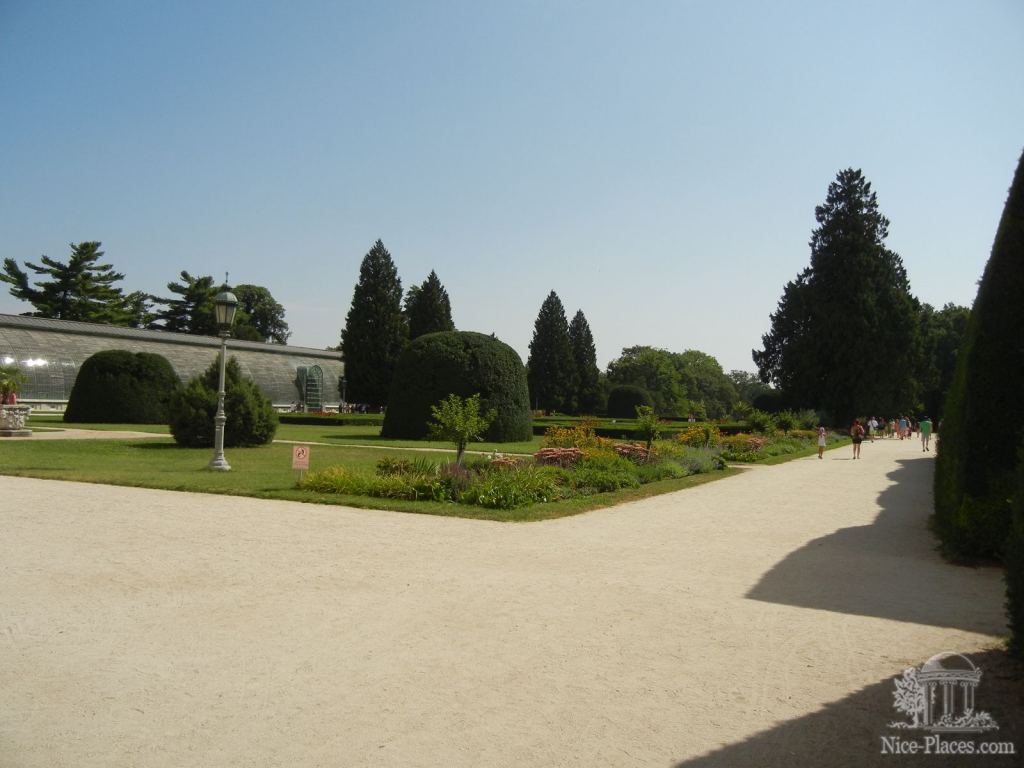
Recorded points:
(220, 464)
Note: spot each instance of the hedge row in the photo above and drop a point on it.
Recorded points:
(332, 419)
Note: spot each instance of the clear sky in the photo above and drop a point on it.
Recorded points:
(656, 164)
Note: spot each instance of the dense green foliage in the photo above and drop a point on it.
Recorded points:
(118, 387)
(1014, 561)
(259, 310)
(428, 308)
(375, 330)
(624, 399)
(551, 369)
(461, 363)
(850, 307)
(680, 384)
(984, 413)
(251, 419)
(587, 398)
(942, 333)
(81, 289)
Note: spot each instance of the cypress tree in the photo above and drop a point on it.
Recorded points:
(551, 371)
(375, 329)
(588, 377)
(428, 308)
(974, 476)
(852, 304)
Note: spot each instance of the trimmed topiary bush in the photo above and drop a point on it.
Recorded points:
(119, 387)
(460, 363)
(623, 400)
(984, 413)
(251, 417)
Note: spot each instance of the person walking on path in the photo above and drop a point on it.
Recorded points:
(857, 433)
(904, 424)
(821, 442)
(872, 428)
(925, 427)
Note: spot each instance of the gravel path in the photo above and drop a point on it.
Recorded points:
(756, 620)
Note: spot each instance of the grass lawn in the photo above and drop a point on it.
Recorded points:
(265, 473)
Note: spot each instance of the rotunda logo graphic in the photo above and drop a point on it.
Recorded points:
(938, 696)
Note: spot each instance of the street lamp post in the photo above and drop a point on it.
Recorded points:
(225, 305)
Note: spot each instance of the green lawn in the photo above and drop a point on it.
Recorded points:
(265, 473)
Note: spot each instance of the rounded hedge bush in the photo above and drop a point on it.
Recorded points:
(623, 400)
(119, 387)
(463, 363)
(251, 419)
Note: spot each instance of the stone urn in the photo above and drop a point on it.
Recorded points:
(12, 420)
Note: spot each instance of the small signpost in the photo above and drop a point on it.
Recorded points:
(300, 459)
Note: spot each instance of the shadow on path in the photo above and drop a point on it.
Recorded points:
(888, 569)
(849, 732)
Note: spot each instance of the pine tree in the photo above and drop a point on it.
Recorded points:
(551, 371)
(192, 313)
(375, 329)
(588, 378)
(851, 306)
(428, 308)
(81, 289)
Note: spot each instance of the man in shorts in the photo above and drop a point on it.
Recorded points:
(925, 427)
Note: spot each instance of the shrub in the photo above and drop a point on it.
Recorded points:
(623, 400)
(250, 416)
(760, 421)
(462, 363)
(807, 419)
(600, 474)
(118, 387)
(700, 435)
(581, 435)
(512, 488)
(637, 453)
(785, 420)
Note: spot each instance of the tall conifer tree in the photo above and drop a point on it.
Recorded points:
(375, 329)
(588, 378)
(551, 371)
(850, 307)
(428, 308)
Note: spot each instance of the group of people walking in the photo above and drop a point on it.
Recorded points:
(903, 428)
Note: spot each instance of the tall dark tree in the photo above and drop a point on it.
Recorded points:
(257, 309)
(551, 371)
(80, 289)
(587, 397)
(850, 306)
(942, 332)
(428, 308)
(192, 311)
(983, 422)
(375, 329)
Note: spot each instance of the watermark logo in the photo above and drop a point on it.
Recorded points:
(938, 698)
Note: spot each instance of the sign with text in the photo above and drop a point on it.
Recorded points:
(300, 457)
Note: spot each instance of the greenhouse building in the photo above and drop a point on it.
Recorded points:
(50, 353)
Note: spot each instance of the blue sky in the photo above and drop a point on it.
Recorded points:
(656, 164)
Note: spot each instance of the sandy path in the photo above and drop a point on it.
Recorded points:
(751, 621)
